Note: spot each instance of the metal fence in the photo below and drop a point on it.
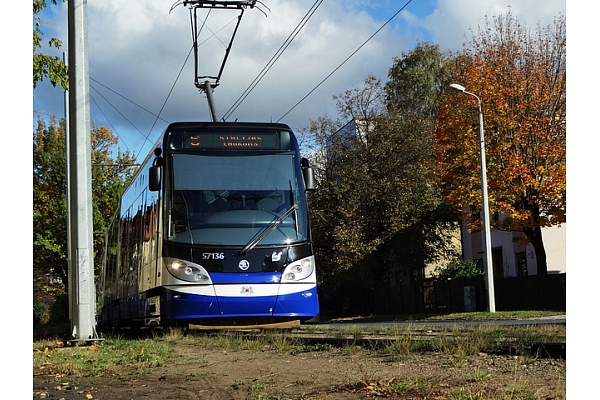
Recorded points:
(536, 292)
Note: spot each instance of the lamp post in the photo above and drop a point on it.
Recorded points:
(487, 236)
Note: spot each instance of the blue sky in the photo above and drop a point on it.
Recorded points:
(140, 81)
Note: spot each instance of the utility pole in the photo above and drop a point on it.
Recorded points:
(82, 292)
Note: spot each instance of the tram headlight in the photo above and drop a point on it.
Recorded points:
(187, 271)
(299, 270)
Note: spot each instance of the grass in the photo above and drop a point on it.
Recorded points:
(120, 356)
(114, 355)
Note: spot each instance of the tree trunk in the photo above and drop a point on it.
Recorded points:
(535, 237)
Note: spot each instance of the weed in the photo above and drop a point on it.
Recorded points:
(465, 394)
(479, 375)
(521, 391)
(406, 385)
(255, 392)
(458, 359)
(351, 349)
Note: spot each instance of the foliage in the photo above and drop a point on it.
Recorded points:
(520, 77)
(459, 269)
(415, 81)
(376, 209)
(59, 310)
(45, 66)
(109, 174)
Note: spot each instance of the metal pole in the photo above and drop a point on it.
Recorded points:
(83, 297)
(487, 234)
(211, 101)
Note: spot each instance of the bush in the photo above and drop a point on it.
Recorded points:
(59, 310)
(41, 312)
(459, 269)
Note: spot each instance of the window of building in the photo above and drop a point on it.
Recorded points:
(521, 259)
(497, 261)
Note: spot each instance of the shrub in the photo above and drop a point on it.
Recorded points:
(459, 269)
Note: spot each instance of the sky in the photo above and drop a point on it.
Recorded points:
(142, 72)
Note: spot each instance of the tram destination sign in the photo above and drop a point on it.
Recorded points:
(232, 141)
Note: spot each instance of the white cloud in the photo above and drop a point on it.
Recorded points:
(138, 49)
(453, 20)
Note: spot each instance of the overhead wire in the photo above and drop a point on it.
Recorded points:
(274, 58)
(114, 130)
(258, 78)
(157, 116)
(345, 61)
(181, 71)
(126, 99)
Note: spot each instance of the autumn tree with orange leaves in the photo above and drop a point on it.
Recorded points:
(520, 77)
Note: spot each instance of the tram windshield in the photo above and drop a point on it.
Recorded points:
(236, 200)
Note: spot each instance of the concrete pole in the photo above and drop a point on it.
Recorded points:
(81, 271)
(71, 288)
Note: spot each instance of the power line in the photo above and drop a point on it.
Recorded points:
(117, 110)
(181, 71)
(346, 60)
(168, 96)
(107, 119)
(125, 98)
(157, 116)
(274, 58)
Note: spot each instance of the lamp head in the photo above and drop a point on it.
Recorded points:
(458, 87)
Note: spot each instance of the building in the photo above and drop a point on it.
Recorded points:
(512, 255)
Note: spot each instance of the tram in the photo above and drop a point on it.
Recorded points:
(213, 230)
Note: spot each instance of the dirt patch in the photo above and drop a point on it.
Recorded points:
(353, 373)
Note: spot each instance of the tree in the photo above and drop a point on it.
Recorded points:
(109, 175)
(45, 66)
(415, 81)
(375, 209)
(520, 76)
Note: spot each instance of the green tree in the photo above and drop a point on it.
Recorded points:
(416, 80)
(520, 76)
(45, 66)
(375, 209)
(109, 175)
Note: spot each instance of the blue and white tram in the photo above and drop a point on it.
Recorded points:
(213, 230)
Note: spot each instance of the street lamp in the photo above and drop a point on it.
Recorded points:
(487, 236)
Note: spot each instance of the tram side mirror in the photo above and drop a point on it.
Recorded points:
(309, 175)
(155, 174)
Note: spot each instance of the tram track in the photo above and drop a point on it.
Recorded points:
(498, 340)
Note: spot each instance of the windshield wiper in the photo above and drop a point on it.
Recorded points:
(267, 230)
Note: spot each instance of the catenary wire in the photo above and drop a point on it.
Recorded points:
(114, 130)
(346, 60)
(129, 100)
(157, 116)
(274, 58)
